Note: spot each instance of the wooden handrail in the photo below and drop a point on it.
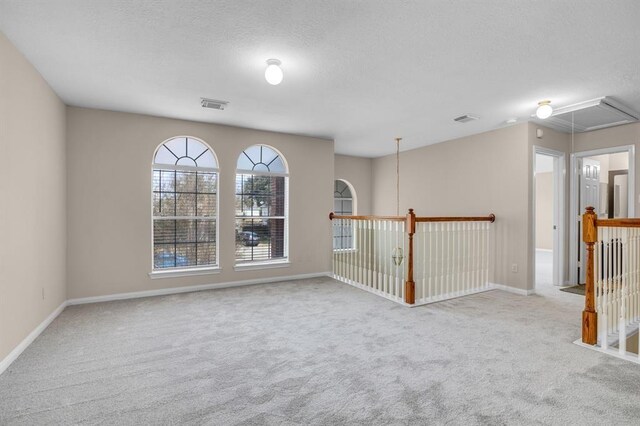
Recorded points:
(491, 218)
(410, 285)
(589, 315)
(619, 223)
(392, 218)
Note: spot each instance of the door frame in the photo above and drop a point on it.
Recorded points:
(573, 195)
(559, 211)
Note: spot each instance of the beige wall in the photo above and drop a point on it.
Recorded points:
(358, 172)
(544, 210)
(109, 199)
(32, 190)
(474, 175)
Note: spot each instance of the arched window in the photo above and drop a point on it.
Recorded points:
(185, 205)
(261, 206)
(343, 205)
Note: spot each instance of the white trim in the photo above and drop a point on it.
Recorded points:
(189, 289)
(183, 168)
(175, 273)
(544, 250)
(261, 265)
(573, 199)
(559, 213)
(627, 356)
(260, 173)
(15, 353)
(514, 290)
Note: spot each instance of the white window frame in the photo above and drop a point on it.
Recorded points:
(354, 208)
(181, 271)
(269, 263)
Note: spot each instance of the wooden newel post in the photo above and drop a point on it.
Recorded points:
(589, 315)
(410, 285)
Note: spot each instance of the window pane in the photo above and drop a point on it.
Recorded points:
(342, 235)
(207, 160)
(167, 204)
(244, 163)
(164, 231)
(206, 205)
(207, 183)
(277, 166)
(164, 156)
(155, 181)
(164, 256)
(156, 203)
(206, 231)
(206, 253)
(186, 204)
(167, 180)
(185, 231)
(178, 146)
(259, 239)
(185, 182)
(260, 195)
(186, 255)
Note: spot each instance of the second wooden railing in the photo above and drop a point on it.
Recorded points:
(411, 259)
(612, 295)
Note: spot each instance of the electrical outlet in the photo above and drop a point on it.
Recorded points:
(514, 268)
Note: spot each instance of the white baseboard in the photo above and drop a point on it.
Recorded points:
(189, 289)
(514, 290)
(15, 353)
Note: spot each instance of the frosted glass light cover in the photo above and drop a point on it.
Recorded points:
(544, 111)
(273, 74)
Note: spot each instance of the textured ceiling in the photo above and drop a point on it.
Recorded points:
(360, 72)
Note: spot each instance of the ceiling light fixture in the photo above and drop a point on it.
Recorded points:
(273, 74)
(544, 110)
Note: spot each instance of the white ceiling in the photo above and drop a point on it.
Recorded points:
(361, 72)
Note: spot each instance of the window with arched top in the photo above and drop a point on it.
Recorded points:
(261, 206)
(343, 205)
(185, 205)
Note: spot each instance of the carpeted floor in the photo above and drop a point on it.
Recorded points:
(318, 352)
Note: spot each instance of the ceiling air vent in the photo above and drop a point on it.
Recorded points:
(465, 118)
(213, 104)
(591, 115)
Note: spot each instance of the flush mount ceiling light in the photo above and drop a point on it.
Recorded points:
(544, 110)
(273, 74)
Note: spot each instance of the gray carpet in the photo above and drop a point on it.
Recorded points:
(318, 352)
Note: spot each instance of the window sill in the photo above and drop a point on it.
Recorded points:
(176, 273)
(261, 265)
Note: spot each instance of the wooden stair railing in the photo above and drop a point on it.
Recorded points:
(590, 225)
(410, 228)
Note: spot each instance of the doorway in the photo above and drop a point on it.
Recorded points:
(603, 179)
(549, 235)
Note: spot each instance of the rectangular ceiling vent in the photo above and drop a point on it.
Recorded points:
(591, 115)
(213, 104)
(465, 118)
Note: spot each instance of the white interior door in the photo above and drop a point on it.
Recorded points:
(557, 219)
(589, 196)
